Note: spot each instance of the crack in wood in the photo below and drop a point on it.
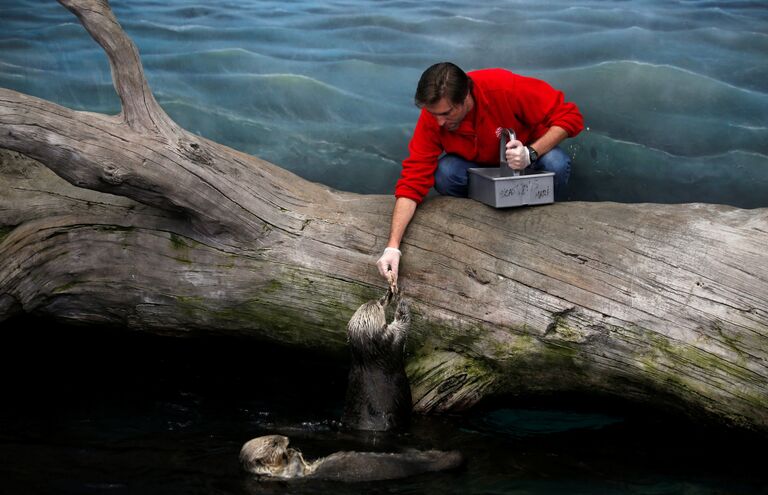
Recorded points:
(472, 273)
(581, 259)
(194, 152)
(557, 318)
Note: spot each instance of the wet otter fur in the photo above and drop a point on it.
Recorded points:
(269, 457)
(378, 393)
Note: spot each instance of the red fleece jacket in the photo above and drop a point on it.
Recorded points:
(502, 99)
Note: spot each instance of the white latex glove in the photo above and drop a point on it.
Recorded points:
(518, 157)
(388, 265)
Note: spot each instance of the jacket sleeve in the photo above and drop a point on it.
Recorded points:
(418, 174)
(543, 106)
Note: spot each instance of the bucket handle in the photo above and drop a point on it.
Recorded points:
(505, 135)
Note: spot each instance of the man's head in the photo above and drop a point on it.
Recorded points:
(444, 90)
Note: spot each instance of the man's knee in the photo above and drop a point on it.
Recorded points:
(557, 161)
(442, 180)
(451, 176)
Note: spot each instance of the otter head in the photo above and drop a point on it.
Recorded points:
(270, 456)
(369, 319)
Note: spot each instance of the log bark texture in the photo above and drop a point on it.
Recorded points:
(161, 230)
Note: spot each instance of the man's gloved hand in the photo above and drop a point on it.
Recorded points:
(518, 156)
(388, 265)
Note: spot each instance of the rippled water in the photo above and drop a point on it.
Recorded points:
(101, 411)
(674, 93)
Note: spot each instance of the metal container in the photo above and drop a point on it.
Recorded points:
(502, 187)
(486, 185)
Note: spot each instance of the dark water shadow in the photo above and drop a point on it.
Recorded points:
(104, 410)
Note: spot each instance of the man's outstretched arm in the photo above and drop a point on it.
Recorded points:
(401, 217)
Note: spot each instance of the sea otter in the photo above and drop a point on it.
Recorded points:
(378, 398)
(378, 394)
(269, 457)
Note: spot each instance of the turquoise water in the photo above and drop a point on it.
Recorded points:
(674, 93)
(97, 411)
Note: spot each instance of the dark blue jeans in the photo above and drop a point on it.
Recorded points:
(451, 176)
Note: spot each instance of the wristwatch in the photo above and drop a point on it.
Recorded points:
(533, 154)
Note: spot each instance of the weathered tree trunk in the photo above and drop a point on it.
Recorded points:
(660, 303)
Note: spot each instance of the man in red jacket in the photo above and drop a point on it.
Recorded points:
(456, 130)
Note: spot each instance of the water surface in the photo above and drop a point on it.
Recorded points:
(674, 94)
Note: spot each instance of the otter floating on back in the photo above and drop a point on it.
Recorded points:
(269, 457)
(378, 393)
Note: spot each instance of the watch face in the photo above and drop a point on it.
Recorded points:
(533, 154)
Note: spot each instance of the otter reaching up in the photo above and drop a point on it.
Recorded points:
(378, 393)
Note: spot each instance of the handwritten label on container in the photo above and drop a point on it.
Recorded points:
(541, 191)
(524, 192)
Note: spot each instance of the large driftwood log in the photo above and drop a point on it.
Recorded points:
(658, 303)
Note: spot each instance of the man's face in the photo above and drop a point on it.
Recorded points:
(449, 115)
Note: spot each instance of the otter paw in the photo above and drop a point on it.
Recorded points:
(403, 311)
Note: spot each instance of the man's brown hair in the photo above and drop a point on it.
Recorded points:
(443, 80)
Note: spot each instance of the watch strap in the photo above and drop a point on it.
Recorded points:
(533, 154)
